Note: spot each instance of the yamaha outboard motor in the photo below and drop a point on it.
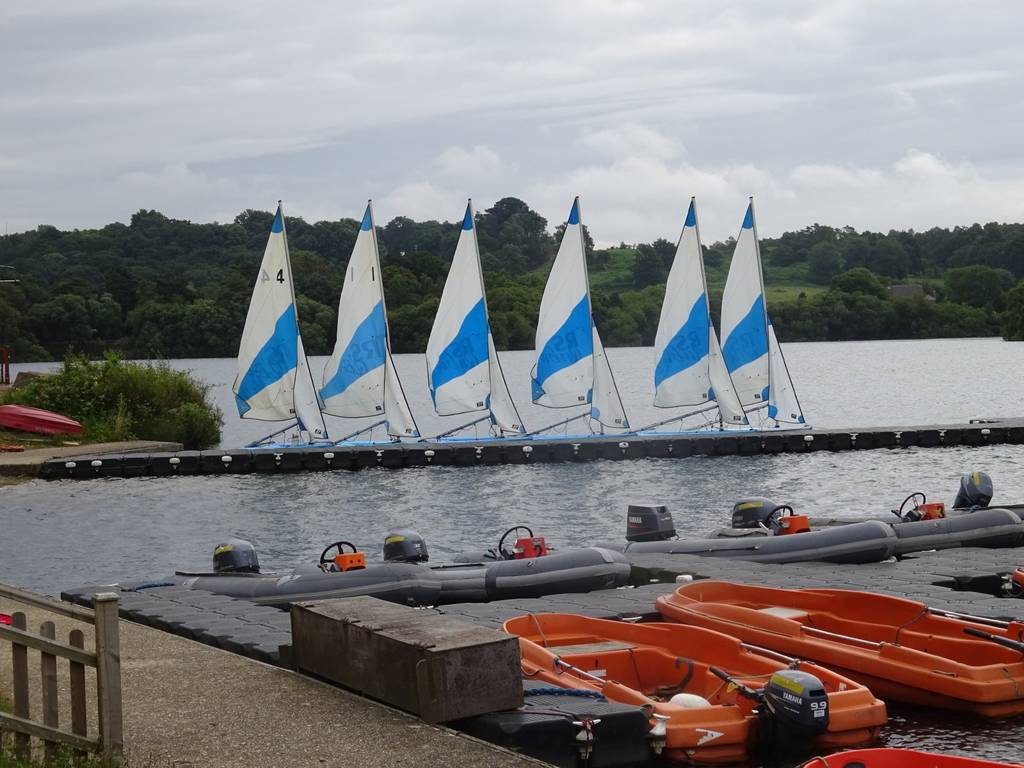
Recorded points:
(235, 556)
(646, 522)
(752, 512)
(975, 491)
(405, 546)
(796, 705)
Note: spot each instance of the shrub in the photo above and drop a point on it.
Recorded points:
(115, 400)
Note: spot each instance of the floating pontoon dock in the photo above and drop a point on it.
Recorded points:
(468, 452)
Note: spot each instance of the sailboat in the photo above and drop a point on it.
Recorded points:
(752, 353)
(274, 382)
(463, 371)
(570, 367)
(360, 379)
(689, 368)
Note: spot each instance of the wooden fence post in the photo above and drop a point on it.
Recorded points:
(48, 675)
(79, 717)
(108, 675)
(19, 656)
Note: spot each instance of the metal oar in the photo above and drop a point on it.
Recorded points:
(1013, 645)
(969, 617)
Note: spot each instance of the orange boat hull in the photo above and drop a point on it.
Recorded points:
(900, 758)
(896, 647)
(644, 664)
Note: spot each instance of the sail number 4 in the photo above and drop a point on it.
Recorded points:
(280, 276)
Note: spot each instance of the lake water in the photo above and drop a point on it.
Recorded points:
(60, 534)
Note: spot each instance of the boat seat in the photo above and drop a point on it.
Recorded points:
(604, 645)
(784, 613)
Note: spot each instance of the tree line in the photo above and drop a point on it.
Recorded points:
(165, 288)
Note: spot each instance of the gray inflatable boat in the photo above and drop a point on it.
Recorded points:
(406, 576)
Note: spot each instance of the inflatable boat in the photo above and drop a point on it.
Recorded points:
(712, 698)
(765, 532)
(901, 649)
(993, 528)
(870, 541)
(406, 575)
(901, 758)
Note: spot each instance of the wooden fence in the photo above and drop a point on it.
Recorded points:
(106, 659)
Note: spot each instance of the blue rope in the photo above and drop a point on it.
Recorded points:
(150, 585)
(565, 692)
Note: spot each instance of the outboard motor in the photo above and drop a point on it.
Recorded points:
(792, 708)
(975, 491)
(235, 556)
(405, 546)
(796, 705)
(649, 522)
(752, 512)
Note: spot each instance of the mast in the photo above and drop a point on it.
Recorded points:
(760, 277)
(303, 385)
(487, 316)
(689, 370)
(270, 353)
(360, 379)
(563, 370)
(744, 319)
(601, 363)
(401, 401)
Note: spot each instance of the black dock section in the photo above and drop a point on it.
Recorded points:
(966, 580)
(538, 451)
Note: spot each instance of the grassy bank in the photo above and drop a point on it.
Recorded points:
(115, 400)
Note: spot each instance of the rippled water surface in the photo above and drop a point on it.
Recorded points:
(60, 534)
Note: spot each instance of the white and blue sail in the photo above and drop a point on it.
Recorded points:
(745, 320)
(360, 378)
(689, 369)
(273, 381)
(605, 402)
(570, 367)
(463, 371)
(783, 403)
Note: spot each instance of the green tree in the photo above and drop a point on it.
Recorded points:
(653, 262)
(890, 258)
(63, 321)
(978, 286)
(1013, 317)
(859, 280)
(824, 261)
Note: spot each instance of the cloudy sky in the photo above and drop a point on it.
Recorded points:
(879, 115)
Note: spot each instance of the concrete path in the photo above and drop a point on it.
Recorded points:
(188, 705)
(29, 462)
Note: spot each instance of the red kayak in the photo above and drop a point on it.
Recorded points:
(26, 419)
(900, 758)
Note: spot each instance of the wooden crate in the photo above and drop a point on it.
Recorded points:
(432, 665)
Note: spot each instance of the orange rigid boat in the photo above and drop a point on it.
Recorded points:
(901, 649)
(900, 758)
(711, 698)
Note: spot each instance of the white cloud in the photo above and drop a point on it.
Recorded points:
(833, 176)
(476, 162)
(421, 201)
(630, 140)
(204, 109)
